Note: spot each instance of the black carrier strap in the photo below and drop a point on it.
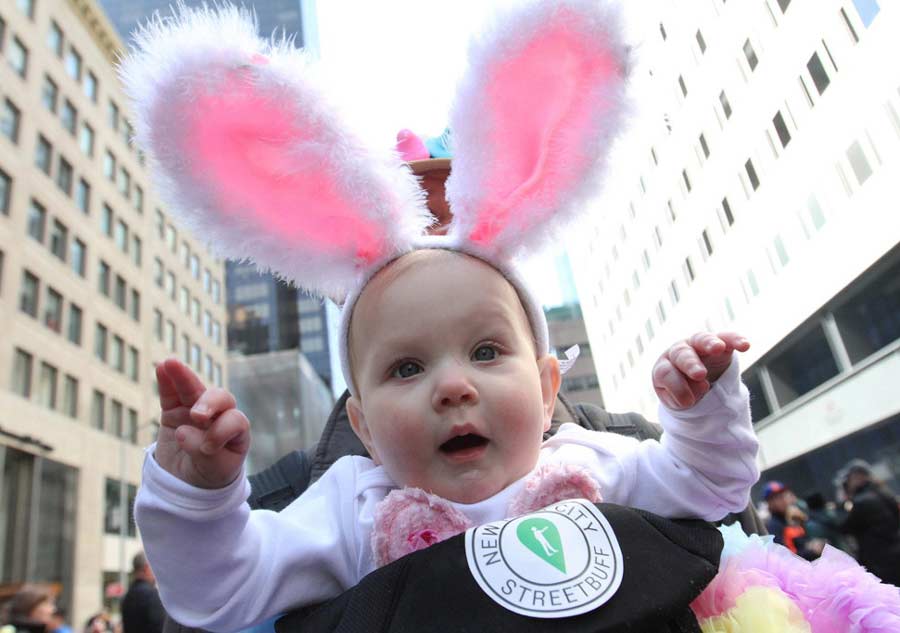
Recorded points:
(276, 486)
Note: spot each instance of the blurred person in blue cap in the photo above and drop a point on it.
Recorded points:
(786, 521)
(873, 520)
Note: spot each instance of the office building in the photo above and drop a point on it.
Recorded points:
(96, 285)
(756, 191)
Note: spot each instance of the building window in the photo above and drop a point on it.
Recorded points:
(781, 251)
(185, 254)
(689, 274)
(21, 378)
(160, 224)
(131, 432)
(216, 333)
(69, 117)
(157, 324)
(46, 394)
(662, 31)
(70, 397)
(136, 250)
(171, 237)
(86, 139)
(750, 54)
(867, 10)
(9, 121)
(55, 39)
(207, 280)
(707, 243)
(815, 212)
(135, 309)
(28, 300)
(26, 7)
(216, 291)
(687, 181)
(53, 310)
(184, 300)
(207, 324)
(103, 278)
(751, 280)
(660, 312)
(37, 221)
(217, 375)
(850, 29)
(90, 86)
(817, 72)
(112, 115)
(704, 146)
(49, 94)
(132, 366)
(185, 349)
(98, 410)
(783, 5)
(124, 182)
(43, 154)
(195, 267)
(74, 333)
(78, 255)
(121, 236)
(195, 356)
(138, 199)
(120, 291)
(73, 64)
(158, 273)
(64, 176)
(781, 128)
(83, 196)
(100, 341)
(700, 41)
(170, 285)
(106, 220)
(682, 85)
(726, 105)
(859, 163)
(118, 354)
(59, 240)
(673, 292)
(5, 192)
(109, 166)
(751, 174)
(195, 311)
(208, 367)
(18, 57)
(170, 336)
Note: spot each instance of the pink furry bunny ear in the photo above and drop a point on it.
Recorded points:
(252, 159)
(533, 121)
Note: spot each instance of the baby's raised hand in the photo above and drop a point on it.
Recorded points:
(686, 371)
(203, 439)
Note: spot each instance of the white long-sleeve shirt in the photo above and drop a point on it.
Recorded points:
(224, 568)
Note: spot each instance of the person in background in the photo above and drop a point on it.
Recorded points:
(98, 623)
(873, 520)
(786, 521)
(58, 621)
(824, 522)
(142, 610)
(31, 609)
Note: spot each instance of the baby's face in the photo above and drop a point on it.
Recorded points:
(452, 398)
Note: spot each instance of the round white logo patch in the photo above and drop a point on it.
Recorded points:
(561, 561)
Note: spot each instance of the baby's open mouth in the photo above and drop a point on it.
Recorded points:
(463, 442)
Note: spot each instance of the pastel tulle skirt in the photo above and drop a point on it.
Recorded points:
(765, 588)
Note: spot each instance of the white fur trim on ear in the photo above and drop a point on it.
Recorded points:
(252, 159)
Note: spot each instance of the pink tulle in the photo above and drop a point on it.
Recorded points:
(410, 519)
(552, 483)
(835, 593)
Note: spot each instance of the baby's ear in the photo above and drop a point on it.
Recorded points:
(548, 365)
(360, 427)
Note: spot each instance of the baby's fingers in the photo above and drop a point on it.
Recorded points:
(209, 405)
(673, 387)
(685, 359)
(734, 341)
(230, 431)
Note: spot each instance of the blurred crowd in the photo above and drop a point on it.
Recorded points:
(33, 609)
(866, 525)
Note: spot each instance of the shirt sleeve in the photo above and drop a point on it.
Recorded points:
(703, 466)
(222, 567)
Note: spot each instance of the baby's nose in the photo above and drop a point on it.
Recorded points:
(454, 389)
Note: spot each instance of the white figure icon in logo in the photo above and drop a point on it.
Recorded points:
(549, 550)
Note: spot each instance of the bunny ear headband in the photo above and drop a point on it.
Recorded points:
(249, 155)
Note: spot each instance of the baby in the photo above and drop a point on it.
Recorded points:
(444, 349)
(452, 398)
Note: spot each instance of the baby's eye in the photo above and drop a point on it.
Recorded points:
(485, 353)
(406, 369)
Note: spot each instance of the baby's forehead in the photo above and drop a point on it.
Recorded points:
(445, 277)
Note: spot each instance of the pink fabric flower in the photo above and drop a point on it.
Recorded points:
(552, 483)
(411, 519)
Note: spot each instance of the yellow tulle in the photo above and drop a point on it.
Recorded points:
(759, 610)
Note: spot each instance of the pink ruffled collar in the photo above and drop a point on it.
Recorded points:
(410, 519)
